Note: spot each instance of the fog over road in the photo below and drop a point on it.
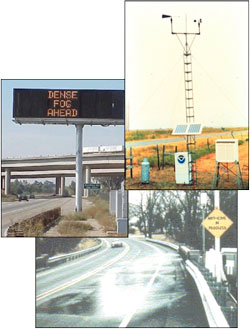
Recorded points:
(138, 285)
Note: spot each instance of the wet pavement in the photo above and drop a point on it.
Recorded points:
(138, 285)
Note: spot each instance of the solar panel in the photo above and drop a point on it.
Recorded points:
(188, 129)
(194, 128)
(180, 130)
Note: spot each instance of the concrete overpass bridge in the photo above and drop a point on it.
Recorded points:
(94, 164)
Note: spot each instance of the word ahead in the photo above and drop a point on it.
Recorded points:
(63, 103)
(68, 106)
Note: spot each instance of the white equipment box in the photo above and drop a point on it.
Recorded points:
(183, 165)
(226, 150)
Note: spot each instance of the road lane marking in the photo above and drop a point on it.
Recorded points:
(41, 274)
(27, 207)
(85, 276)
(133, 309)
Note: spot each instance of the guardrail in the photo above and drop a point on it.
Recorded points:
(164, 243)
(213, 311)
(44, 261)
(210, 296)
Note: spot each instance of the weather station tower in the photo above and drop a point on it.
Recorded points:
(190, 129)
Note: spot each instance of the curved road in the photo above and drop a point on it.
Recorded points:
(138, 285)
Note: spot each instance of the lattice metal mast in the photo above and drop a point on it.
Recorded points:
(188, 76)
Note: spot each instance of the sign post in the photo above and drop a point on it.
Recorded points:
(78, 168)
(217, 223)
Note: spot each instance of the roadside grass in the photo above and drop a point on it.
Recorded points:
(35, 229)
(147, 134)
(100, 211)
(135, 135)
(86, 243)
(8, 198)
(205, 155)
(77, 216)
(73, 228)
(204, 146)
(165, 179)
(74, 224)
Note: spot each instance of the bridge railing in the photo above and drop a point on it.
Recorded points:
(44, 261)
(217, 297)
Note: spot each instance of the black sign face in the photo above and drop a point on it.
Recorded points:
(93, 106)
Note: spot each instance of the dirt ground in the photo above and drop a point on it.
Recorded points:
(165, 178)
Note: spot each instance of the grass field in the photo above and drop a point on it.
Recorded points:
(139, 135)
(205, 160)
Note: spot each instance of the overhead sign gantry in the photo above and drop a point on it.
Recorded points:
(70, 106)
(49, 106)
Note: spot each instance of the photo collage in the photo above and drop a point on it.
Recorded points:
(128, 188)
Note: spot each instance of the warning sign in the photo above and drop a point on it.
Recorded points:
(217, 223)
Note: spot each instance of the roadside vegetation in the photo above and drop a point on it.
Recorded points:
(8, 198)
(205, 157)
(176, 216)
(136, 135)
(53, 247)
(77, 224)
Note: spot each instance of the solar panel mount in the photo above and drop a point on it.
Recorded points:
(187, 129)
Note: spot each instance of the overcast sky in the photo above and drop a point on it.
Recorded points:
(35, 140)
(154, 63)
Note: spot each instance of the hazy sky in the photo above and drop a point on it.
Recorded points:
(35, 140)
(154, 63)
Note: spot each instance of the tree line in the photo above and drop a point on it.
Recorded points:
(178, 215)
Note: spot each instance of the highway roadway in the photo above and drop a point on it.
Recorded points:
(13, 212)
(138, 285)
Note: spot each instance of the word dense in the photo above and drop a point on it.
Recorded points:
(62, 103)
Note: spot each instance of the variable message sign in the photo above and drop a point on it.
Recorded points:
(85, 106)
(217, 223)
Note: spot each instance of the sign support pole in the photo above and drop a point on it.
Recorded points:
(217, 240)
(79, 182)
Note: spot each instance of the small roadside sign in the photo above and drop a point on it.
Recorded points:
(217, 223)
(92, 186)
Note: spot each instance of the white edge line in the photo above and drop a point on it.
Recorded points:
(85, 276)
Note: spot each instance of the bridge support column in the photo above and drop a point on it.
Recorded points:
(79, 182)
(7, 181)
(58, 184)
(62, 186)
